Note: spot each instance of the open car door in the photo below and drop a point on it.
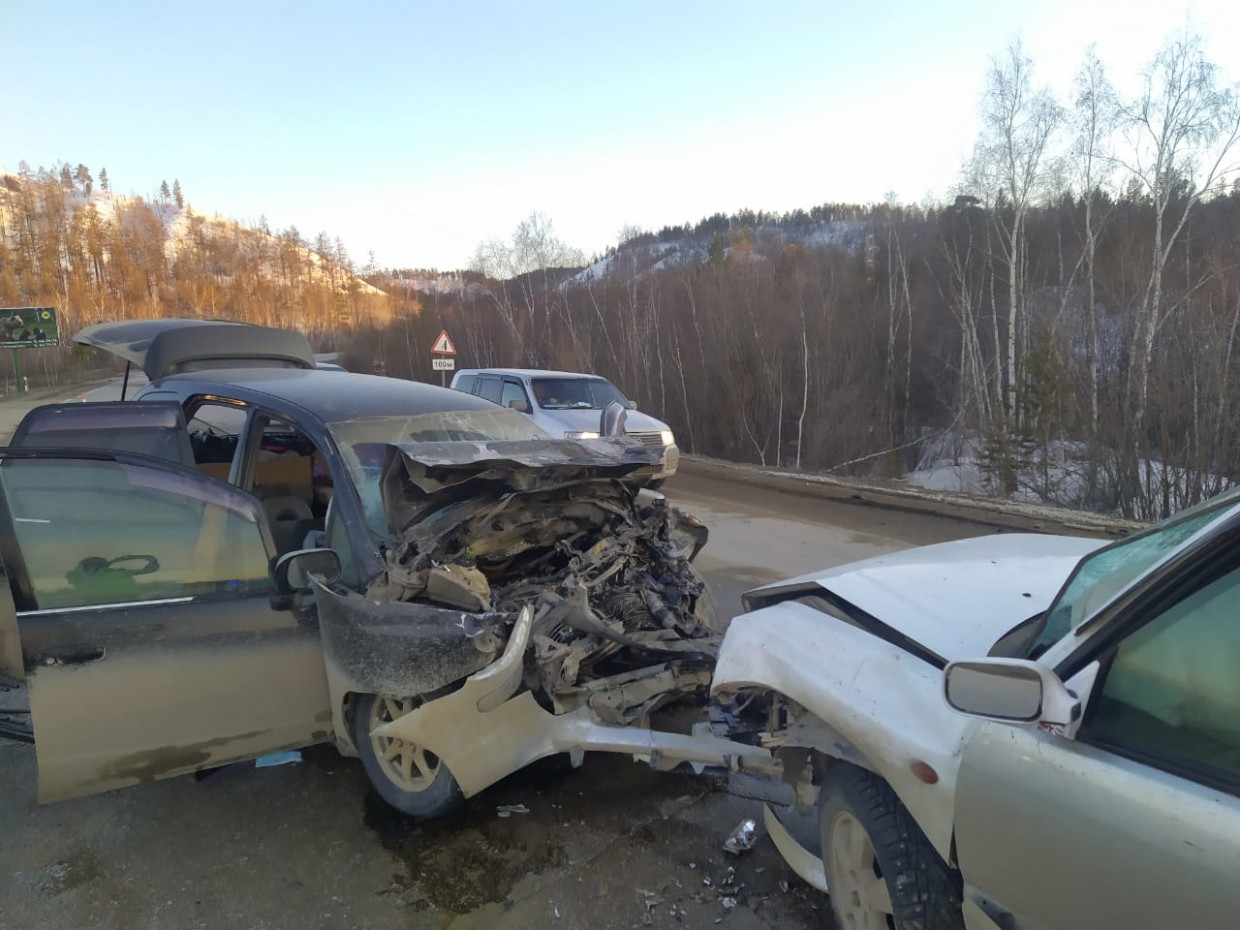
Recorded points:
(148, 641)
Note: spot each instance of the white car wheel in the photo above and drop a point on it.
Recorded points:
(882, 872)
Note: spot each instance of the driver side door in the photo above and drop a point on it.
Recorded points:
(148, 642)
(1135, 822)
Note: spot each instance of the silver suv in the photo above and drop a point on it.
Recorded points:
(567, 404)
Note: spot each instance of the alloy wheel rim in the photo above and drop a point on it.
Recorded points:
(406, 765)
(862, 898)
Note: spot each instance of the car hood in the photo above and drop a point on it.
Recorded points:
(634, 422)
(954, 599)
(425, 477)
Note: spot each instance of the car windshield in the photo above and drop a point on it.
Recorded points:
(363, 443)
(576, 393)
(1104, 573)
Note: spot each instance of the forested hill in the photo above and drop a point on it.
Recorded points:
(67, 240)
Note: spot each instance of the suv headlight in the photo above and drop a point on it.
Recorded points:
(668, 438)
(581, 434)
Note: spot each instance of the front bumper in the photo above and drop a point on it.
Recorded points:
(671, 461)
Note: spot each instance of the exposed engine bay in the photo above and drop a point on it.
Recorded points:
(622, 624)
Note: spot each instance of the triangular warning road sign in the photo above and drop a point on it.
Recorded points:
(443, 345)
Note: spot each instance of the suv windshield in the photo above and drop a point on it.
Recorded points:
(1103, 574)
(575, 393)
(363, 443)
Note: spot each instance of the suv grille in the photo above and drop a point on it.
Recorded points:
(648, 439)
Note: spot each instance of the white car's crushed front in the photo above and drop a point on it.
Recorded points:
(855, 654)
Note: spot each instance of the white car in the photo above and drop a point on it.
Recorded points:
(569, 404)
(1014, 731)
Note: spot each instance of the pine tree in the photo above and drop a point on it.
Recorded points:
(82, 176)
(164, 193)
(103, 180)
(177, 196)
(66, 176)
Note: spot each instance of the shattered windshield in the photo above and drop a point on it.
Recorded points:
(363, 443)
(576, 393)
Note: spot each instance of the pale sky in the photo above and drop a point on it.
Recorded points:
(419, 129)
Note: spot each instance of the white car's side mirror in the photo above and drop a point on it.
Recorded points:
(1010, 691)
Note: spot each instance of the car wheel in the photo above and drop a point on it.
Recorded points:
(411, 779)
(882, 872)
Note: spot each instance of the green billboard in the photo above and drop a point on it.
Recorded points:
(28, 328)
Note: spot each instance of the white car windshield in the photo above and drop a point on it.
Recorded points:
(1103, 574)
(363, 443)
(575, 393)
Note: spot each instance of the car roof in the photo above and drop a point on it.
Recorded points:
(332, 396)
(529, 373)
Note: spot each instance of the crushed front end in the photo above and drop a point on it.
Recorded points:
(538, 601)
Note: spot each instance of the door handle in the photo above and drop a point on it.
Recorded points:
(72, 655)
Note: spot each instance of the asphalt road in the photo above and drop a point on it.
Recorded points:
(610, 845)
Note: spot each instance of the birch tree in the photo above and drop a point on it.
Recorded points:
(1181, 132)
(1018, 122)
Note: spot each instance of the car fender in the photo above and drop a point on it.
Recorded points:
(884, 704)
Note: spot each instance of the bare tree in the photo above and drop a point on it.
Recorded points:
(1009, 165)
(1095, 110)
(1181, 131)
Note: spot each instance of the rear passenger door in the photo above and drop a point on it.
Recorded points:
(148, 641)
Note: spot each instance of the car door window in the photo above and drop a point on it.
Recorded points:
(215, 432)
(106, 532)
(490, 388)
(1172, 691)
(513, 392)
(465, 383)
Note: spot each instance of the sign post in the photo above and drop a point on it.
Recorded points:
(443, 346)
(27, 328)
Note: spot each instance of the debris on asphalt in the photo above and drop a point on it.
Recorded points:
(727, 903)
(507, 810)
(743, 838)
(650, 898)
(288, 757)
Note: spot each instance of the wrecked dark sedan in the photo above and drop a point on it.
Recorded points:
(253, 555)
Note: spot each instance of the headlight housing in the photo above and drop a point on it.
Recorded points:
(581, 434)
(667, 436)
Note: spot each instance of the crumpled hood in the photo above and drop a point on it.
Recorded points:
(427, 476)
(957, 598)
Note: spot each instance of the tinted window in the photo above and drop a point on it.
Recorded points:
(154, 429)
(95, 533)
(215, 434)
(490, 389)
(1173, 688)
(466, 383)
(513, 392)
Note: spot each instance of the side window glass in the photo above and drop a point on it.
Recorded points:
(1173, 691)
(466, 383)
(513, 392)
(215, 436)
(490, 389)
(97, 532)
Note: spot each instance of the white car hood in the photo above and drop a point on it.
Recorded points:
(956, 599)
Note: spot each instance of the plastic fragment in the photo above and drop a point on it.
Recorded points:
(507, 810)
(288, 757)
(743, 838)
